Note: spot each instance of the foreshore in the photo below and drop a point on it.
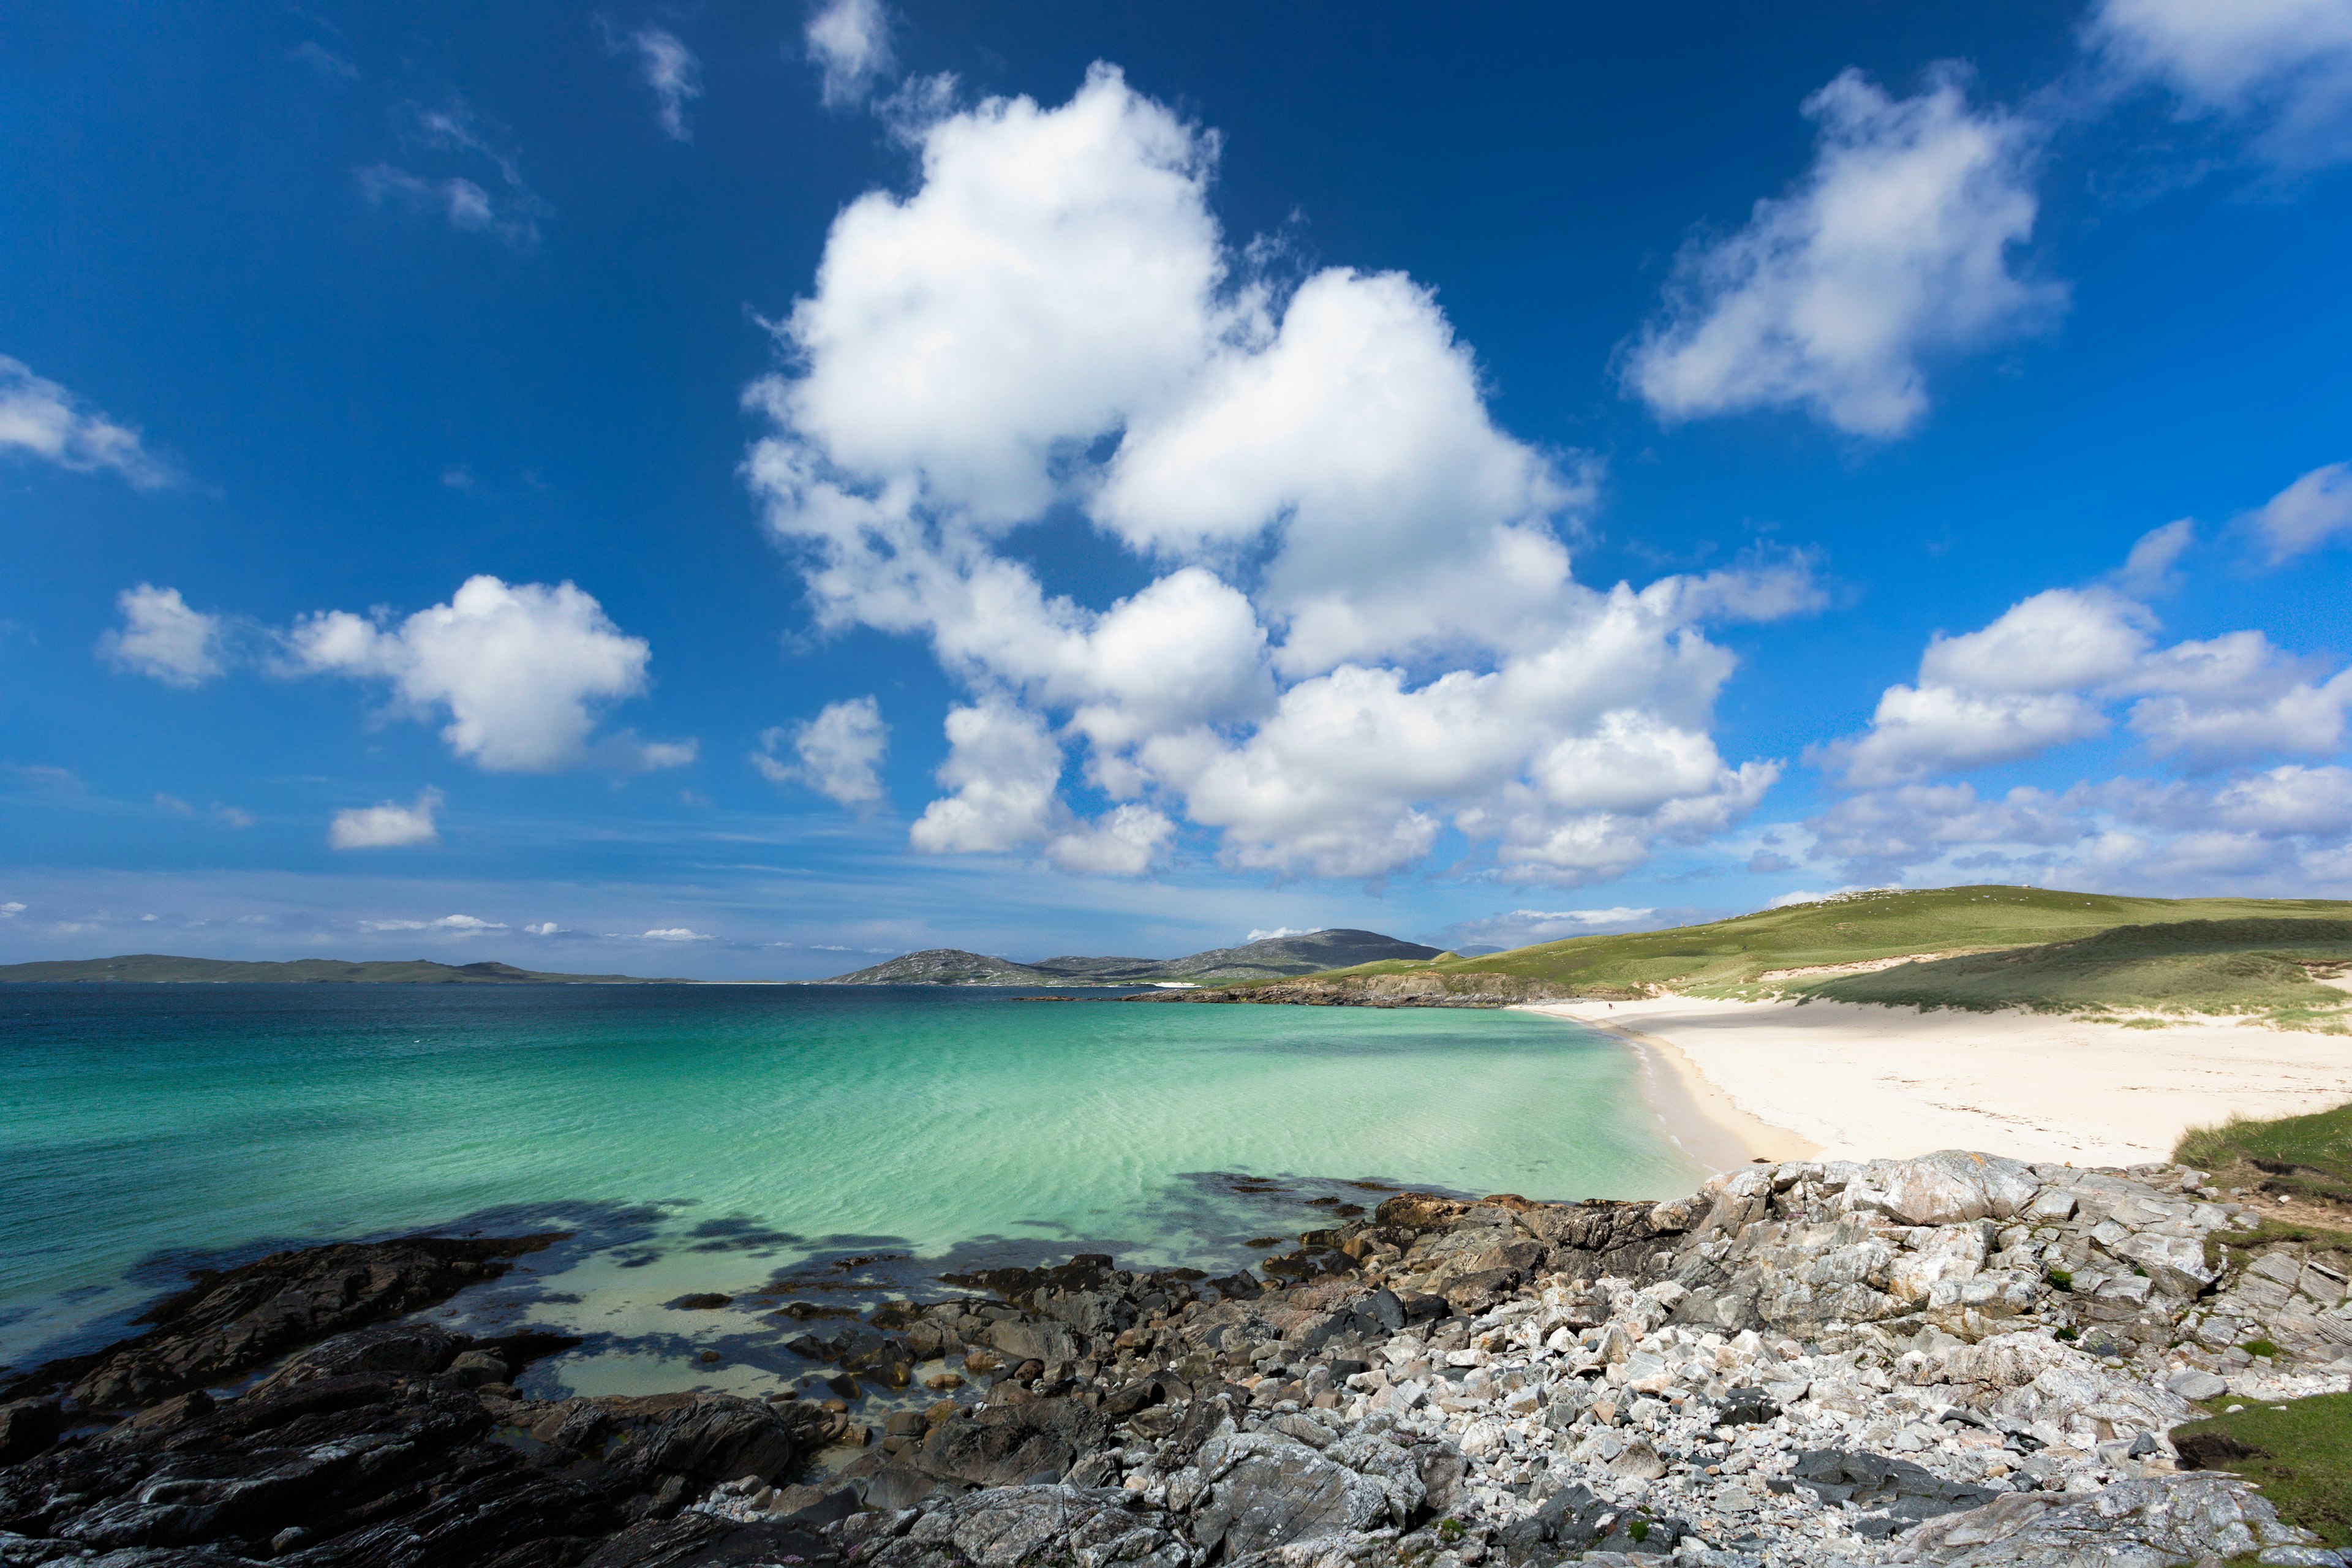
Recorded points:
(1742, 1080)
(1806, 1364)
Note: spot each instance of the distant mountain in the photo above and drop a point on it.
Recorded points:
(161, 968)
(1268, 959)
(947, 966)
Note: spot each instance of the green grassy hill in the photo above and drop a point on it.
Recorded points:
(2055, 948)
(2198, 966)
(162, 968)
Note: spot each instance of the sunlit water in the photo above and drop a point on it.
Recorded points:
(727, 1138)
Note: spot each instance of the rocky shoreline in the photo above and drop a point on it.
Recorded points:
(1957, 1360)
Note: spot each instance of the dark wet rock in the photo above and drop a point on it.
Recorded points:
(1009, 1445)
(703, 1301)
(719, 1438)
(701, 1540)
(1746, 1407)
(231, 1321)
(28, 1427)
(1900, 1493)
(418, 1349)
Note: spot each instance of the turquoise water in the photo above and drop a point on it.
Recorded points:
(723, 1138)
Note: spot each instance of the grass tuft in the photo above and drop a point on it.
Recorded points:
(2300, 1454)
(2306, 1155)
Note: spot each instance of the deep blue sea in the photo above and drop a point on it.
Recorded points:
(745, 1139)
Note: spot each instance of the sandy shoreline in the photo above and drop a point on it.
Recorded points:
(1737, 1080)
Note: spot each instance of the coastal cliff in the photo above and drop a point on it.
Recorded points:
(1957, 1359)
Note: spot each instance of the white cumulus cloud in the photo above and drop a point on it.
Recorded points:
(1895, 251)
(1365, 622)
(387, 825)
(849, 41)
(840, 752)
(522, 671)
(2053, 667)
(163, 638)
(462, 925)
(39, 418)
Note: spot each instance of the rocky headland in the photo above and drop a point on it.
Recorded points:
(1954, 1360)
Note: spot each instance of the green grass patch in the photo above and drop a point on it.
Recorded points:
(2309, 1154)
(2317, 1237)
(2243, 965)
(2299, 1453)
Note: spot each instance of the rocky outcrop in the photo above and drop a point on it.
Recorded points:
(1412, 988)
(229, 1321)
(1957, 1360)
(382, 1448)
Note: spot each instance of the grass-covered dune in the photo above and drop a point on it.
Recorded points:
(2195, 965)
(1979, 947)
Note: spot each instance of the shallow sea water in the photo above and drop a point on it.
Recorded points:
(792, 1143)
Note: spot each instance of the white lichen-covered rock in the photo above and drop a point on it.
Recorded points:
(1944, 1188)
(1267, 1490)
(2154, 1522)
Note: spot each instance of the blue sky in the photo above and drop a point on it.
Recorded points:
(730, 489)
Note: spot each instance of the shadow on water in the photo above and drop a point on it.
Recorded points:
(1205, 1219)
(591, 1228)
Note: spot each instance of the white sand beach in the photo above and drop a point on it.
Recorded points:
(1783, 1081)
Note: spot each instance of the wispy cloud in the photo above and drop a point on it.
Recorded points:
(1895, 249)
(2280, 69)
(1525, 928)
(669, 69)
(462, 925)
(850, 40)
(324, 62)
(40, 420)
(510, 213)
(2313, 511)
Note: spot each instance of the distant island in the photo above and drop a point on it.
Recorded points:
(1274, 958)
(158, 968)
